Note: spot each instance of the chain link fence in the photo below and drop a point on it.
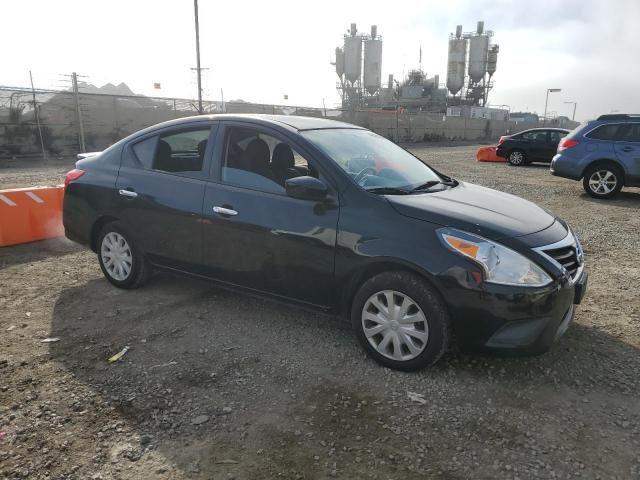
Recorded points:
(105, 119)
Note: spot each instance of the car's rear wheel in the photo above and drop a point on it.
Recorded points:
(121, 262)
(517, 158)
(401, 321)
(602, 181)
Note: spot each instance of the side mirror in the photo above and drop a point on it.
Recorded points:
(306, 188)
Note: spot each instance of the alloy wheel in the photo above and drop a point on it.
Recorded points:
(603, 182)
(394, 325)
(516, 158)
(116, 256)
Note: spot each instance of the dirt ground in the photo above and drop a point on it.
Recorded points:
(218, 385)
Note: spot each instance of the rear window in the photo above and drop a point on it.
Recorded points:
(608, 132)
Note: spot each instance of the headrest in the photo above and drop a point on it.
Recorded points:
(256, 154)
(282, 157)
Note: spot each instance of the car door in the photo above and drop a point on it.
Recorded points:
(627, 147)
(160, 189)
(254, 234)
(553, 139)
(537, 144)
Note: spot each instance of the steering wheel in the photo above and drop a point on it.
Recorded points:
(363, 173)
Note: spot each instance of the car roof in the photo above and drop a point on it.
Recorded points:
(557, 129)
(619, 117)
(293, 122)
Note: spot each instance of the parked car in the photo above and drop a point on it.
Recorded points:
(603, 153)
(331, 216)
(534, 145)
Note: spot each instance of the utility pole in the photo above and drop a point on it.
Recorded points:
(37, 117)
(222, 100)
(397, 121)
(76, 95)
(549, 90)
(198, 70)
(575, 104)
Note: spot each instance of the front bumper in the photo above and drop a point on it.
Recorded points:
(501, 152)
(514, 320)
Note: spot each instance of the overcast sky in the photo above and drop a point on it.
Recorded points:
(260, 51)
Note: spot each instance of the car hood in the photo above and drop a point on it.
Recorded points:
(486, 212)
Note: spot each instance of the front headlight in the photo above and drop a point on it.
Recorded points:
(501, 264)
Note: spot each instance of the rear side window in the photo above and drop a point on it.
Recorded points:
(181, 152)
(608, 132)
(555, 136)
(539, 137)
(144, 151)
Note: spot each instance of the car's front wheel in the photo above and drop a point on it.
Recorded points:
(401, 321)
(517, 158)
(602, 181)
(121, 262)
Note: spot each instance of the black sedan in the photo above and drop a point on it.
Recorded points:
(334, 217)
(534, 145)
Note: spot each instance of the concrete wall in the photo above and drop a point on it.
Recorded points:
(434, 127)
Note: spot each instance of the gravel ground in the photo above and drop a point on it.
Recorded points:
(36, 173)
(218, 385)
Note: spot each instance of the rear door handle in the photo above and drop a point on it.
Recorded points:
(128, 193)
(225, 211)
(627, 149)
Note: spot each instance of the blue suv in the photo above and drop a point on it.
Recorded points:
(604, 153)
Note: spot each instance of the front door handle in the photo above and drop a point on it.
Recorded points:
(627, 149)
(225, 211)
(128, 193)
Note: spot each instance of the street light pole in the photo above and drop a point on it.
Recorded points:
(575, 104)
(549, 90)
(198, 69)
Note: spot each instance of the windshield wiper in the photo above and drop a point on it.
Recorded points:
(388, 191)
(432, 183)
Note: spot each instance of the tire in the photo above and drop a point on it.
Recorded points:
(517, 158)
(131, 274)
(435, 330)
(602, 180)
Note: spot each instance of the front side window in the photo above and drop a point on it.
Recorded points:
(632, 133)
(259, 161)
(373, 161)
(181, 152)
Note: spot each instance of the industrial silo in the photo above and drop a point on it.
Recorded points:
(456, 62)
(352, 57)
(478, 50)
(492, 59)
(372, 62)
(339, 62)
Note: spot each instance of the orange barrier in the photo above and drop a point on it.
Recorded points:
(488, 154)
(30, 214)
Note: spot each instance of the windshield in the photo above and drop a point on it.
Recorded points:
(374, 162)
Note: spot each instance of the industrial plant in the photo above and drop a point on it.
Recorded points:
(472, 62)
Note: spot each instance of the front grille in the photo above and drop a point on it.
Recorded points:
(567, 257)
